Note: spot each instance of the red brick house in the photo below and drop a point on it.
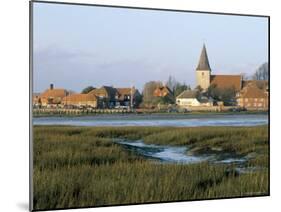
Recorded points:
(252, 97)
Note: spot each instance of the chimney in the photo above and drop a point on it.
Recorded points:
(51, 86)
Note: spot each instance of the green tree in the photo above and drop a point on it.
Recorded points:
(227, 95)
(179, 88)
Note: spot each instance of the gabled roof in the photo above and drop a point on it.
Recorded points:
(227, 81)
(161, 90)
(110, 91)
(262, 84)
(188, 94)
(54, 93)
(253, 92)
(126, 91)
(203, 61)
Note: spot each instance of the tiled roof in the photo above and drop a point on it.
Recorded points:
(203, 61)
(54, 93)
(108, 91)
(227, 81)
(188, 94)
(162, 91)
(79, 98)
(126, 91)
(253, 92)
(262, 84)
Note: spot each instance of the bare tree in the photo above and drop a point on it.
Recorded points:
(172, 83)
(261, 73)
(175, 86)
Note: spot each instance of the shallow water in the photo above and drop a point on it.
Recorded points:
(179, 120)
(177, 155)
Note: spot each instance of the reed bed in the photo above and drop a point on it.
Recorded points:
(82, 166)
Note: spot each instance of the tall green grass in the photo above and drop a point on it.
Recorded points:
(82, 166)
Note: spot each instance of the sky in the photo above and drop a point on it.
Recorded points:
(77, 46)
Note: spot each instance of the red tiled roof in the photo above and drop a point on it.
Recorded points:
(54, 93)
(253, 92)
(79, 98)
(262, 84)
(162, 91)
(227, 81)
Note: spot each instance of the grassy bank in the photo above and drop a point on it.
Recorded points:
(81, 166)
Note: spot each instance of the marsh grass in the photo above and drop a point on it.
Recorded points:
(82, 166)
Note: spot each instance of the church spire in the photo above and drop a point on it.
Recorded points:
(203, 61)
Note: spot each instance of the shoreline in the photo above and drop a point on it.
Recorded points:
(154, 113)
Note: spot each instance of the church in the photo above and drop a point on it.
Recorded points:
(205, 78)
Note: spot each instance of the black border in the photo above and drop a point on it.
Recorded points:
(138, 8)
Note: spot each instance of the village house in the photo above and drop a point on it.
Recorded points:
(127, 97)
(192, 98)
(51, 97)
(106, 95)
(111, 97)
(35, 99)
(80, 100)
(163, 91)
(252, 97)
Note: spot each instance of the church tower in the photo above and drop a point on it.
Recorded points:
(203, 70)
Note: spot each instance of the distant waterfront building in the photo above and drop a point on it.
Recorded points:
(79, 100)
(163, 91)
(114, 97)
(107, 96)
(127, 97)
(204, 78)
(254, 96)
(36, 99)
(52, 96)
(192, 98)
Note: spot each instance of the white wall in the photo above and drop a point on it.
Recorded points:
(187, 102)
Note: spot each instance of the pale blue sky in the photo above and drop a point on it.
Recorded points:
(76, 46)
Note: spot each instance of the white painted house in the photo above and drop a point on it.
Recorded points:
(191, 98)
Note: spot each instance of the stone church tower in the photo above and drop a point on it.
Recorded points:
(203, 70)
